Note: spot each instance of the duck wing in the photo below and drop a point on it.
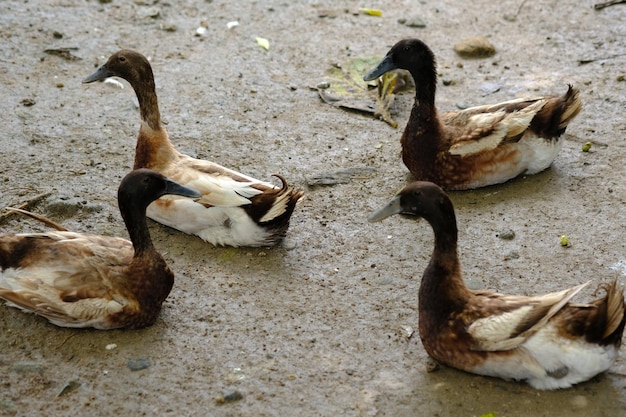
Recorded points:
(220, 187)
(508, 321)
(483, 128)
(69, 278)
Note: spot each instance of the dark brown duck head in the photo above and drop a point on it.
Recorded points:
(137, 190)
(421, 199)
(416, 57)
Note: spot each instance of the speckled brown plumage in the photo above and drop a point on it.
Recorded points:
(481, 145)
(545, 340)
(83, 280)
(217, 217)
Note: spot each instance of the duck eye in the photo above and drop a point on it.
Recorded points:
(122, 59)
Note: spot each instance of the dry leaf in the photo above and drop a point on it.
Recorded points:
(344, 87)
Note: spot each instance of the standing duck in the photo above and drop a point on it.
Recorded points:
(545, 340)
(82, 280)
(235, 209)
(478, 146)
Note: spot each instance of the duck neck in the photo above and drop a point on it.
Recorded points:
(442, 285)
(154, 148)
(146, 95)
(420, 140)
(425, 85)
(135, 220)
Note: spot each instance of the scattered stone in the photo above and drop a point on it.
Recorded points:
(475, 47)
(414, 22)
(339, 177)
(586, 146)
(432, 365)
(448, 82)
(621, 78)
(169, 27)
(65, 53)
(57, 35)
(511, 255)
(506, 235)
(27, 102)
(229, 397)
(28, 368)
(137, 364)
(68, 388)
(152, 12)
(489, 88)
(289, 244)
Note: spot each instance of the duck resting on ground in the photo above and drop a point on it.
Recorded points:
(544, 340)
(83, 280)
(478, 146)
(235, 209)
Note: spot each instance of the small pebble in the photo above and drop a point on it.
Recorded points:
(414, 22)
(28, 367)
(137, 364)
(432, 366)
(507, 235)
(111, 346)
(229, 397)
(475, 47)
(69, 387)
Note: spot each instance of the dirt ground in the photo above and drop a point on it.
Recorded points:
(319, 325)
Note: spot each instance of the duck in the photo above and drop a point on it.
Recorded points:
(478, 146)
(546, 340)
(234, 210)
(82, 280)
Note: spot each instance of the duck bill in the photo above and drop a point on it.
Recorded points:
(172, 187)
(384, 66)
(100, 74)
(393, 207)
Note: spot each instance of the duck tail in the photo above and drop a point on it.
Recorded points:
(284, 201)
(615, 317)
(557, 112)
(571, 106)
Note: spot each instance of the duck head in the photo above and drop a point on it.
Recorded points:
(421, 199)
(127, 64)
(409, 54)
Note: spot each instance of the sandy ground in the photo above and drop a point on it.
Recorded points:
(316, 326)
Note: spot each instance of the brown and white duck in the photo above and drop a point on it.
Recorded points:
(544, 340)
(235, 209)
(478, 146)
(84, 280)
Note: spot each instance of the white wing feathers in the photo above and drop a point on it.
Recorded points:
(499, 332)
(501, 123)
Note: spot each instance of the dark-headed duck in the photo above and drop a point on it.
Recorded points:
(478, 146)
(235, 209)
(544, 340)
(83, 280)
